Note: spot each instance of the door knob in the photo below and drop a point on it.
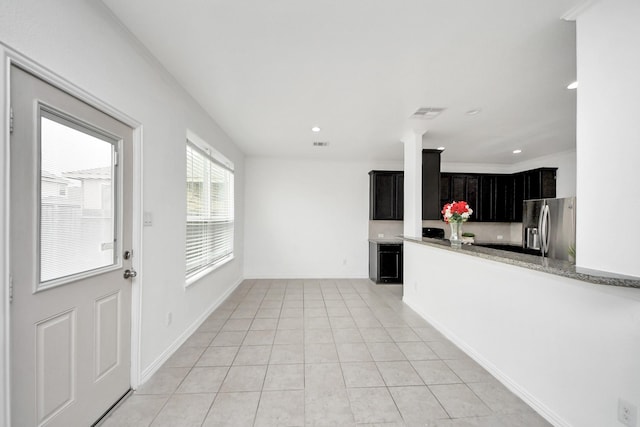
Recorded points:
(130, 274)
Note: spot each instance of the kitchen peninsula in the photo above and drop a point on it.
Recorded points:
(529, 323)
(532, 262)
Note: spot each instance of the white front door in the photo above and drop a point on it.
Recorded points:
(71, 217)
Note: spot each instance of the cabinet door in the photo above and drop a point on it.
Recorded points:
(382, 196)
(532, 185)
(445, 189)
(458, 187)
(472, 196)
(431, 184)
(518, 196)
(504, 198)
(540, 183)
(390, 263)
(548, 183)
(487, 202)
(399, 196)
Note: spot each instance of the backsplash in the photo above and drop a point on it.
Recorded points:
(486, 232)
(388, 229)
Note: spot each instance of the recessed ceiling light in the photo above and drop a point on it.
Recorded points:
(474, 112)
(517, 151)
(573, 85)
(440, 148)
(315, 129)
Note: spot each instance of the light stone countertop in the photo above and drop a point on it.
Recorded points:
(388, 240)
(533, 262)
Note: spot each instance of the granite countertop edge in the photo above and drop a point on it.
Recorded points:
(532, 262)
(390, 240)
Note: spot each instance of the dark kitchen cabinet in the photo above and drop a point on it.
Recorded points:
(518, 195)
(540, 183)
(445, 188)
(486, 207)
(431, 206)
(386, 195)
(498, 197)
(533, 184)
(504, 198)
(456, 187)
(385, 262)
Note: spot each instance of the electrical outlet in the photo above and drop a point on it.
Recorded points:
(500, 237)
(169, 318)
(380, 235)
(627, 413)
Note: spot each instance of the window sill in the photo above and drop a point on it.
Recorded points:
(200, 274)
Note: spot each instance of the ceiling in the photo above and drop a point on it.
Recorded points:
(268, 71)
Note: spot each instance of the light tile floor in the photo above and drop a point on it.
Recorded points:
(320, 353)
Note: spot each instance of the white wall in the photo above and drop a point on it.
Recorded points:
(569, 348)
(307, 218)
(608, 136)
(81, 42)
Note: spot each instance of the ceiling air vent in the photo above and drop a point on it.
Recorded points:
(320, 143)
(427, 113)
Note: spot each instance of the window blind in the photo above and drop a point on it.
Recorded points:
(209, 210)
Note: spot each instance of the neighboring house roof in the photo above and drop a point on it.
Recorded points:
(94, 173)
(52, 177)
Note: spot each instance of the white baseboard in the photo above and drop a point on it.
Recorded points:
(516, 388)
(165, 355)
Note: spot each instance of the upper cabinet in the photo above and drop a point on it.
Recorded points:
(465, 187)
(498, 197)
(493, 197)
(431, 206)
(540, 183)
(386, 195)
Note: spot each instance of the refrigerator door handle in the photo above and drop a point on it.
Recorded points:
(541, 229)
(546, 227)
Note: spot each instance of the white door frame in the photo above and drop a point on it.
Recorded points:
(10, 57)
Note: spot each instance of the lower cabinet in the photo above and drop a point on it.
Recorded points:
(385, 262)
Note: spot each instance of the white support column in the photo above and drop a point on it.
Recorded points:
(413, 184)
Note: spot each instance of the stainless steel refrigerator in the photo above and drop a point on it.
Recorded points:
(549, 225)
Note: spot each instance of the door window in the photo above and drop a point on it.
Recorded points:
(77, 199)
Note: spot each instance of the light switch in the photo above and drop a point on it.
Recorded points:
(147, 220)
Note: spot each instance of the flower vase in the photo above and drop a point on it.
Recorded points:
(456, 234)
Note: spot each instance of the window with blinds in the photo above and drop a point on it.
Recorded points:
(209, 209)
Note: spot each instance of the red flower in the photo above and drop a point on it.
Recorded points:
(454, 211)
(459, 208)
